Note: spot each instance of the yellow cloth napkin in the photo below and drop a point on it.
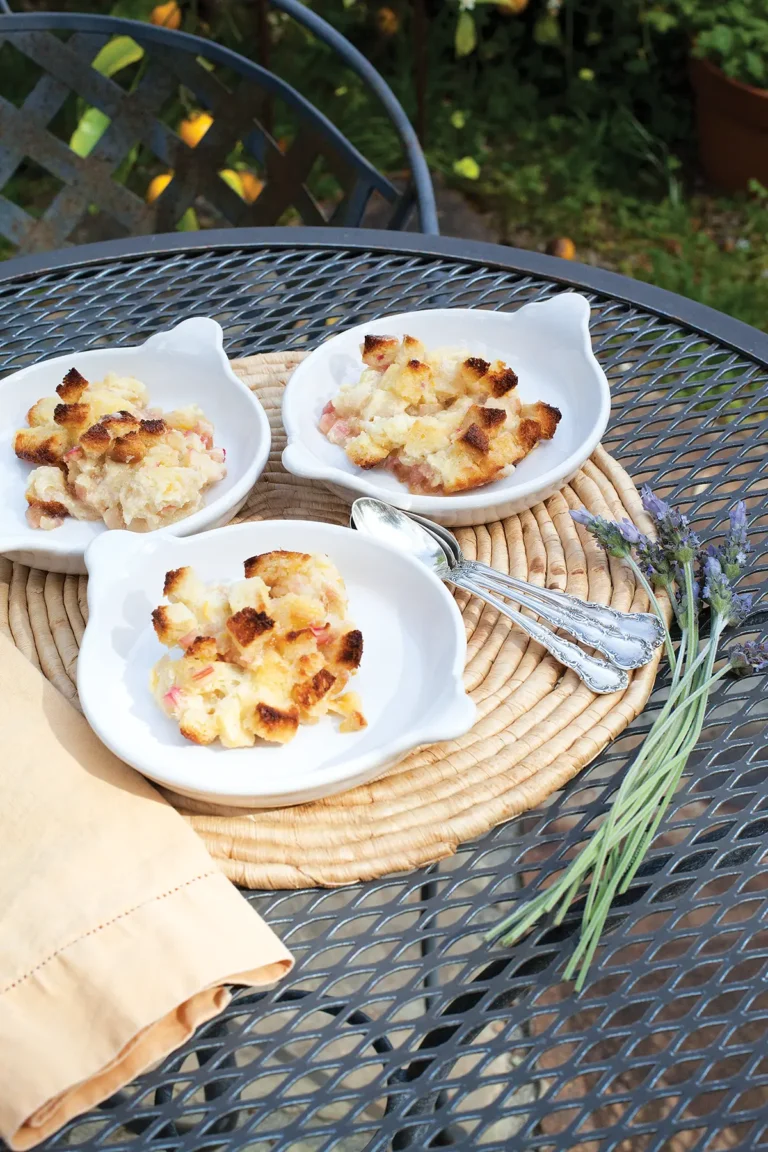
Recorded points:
(118, 935)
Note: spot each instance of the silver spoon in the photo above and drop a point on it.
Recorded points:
(380, 520)
(643, 629)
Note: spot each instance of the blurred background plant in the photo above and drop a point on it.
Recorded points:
(565, 125)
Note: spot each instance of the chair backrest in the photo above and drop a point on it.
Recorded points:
(81, 145)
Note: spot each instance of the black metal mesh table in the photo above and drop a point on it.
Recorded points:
(398, 1028)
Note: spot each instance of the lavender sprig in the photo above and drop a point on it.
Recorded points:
(673, 560)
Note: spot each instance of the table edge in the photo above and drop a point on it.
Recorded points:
(700, 317)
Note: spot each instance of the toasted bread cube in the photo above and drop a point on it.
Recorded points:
(74, 417)
(278, 569)
(246, 629)
(172, 621)
(348, 650)
(120, 423)
(128, 449)
(95, 441)
(42, 445)
(545, 416)
(181, 584)
(379, 351)
(350, 707)
(365, 452)
(500, 379)
(412, 382)
(470, 372)
(250, 593)
(42, 412)
(229, 724)
(411, 349)
(152, 431)
(275, 724)
(309, 694)
(202, 647)
(72, 386)
(196, 722)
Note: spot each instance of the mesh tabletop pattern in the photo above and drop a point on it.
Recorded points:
(398, 1027)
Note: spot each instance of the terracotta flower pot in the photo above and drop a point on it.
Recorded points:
(733, 127)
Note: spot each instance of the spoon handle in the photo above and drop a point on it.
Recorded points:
(598, 675)
(586, 626)
(642, 626)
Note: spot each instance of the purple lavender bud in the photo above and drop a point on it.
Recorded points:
(750, 658)
(741, 606)
(630, 533)
(654, 506)
(735, 549)
(605, 532)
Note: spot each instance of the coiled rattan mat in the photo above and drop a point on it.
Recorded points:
(537, 724)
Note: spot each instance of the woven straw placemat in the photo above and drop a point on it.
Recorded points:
(537, 724)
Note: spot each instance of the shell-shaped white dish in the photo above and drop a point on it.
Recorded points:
(185, 365)
(410, 677)
(548, 345)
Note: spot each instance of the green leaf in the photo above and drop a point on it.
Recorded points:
(188, 222)
(467, 167)
(458, 119)
(466, 34)
(118, 53)
(660, 21)
(755, 67)
(93, 124)
(720, 39)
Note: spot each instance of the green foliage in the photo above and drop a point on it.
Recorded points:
(731, 33)
(118, 53)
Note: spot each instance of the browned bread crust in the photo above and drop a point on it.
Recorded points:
(72, 386)
(202, 648)
(128, 449)
(380, 351)
(273, 724)
(174, 579)
(71, 416)
(349, 652)
(40, 445)
(502, 381)
(247, 624)
(271, 566)
(312, 691)
(162, 623)
(48, 507)
(95, 441)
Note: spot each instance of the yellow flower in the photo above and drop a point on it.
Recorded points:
(252, 186)
(195, 127)
(166, 15)
(158, 185)
(563, 247)
(387, 22)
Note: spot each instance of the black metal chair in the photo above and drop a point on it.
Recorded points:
(313, 177)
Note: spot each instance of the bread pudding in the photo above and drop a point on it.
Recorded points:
(442, 421)
(261, 655)
(101, 453)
